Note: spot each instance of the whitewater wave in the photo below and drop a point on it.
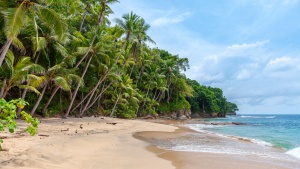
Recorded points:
(294, 152)
(223, 150)
(202, 127)
(259, 117)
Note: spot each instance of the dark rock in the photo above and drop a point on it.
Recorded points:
(182, 117)
(238, 123)
(231, 113)
(195, 115)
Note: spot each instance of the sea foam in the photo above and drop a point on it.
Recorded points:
(294, 152)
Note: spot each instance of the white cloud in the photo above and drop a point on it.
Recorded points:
(282, 64)
(171, 18)
(247, 45)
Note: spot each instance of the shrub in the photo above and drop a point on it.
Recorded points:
(8, 116)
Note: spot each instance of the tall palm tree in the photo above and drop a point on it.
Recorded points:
(28, 11)
(128, 23)
(101, 17)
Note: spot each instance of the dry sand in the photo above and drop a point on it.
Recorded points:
(109, 143)
(61, 143)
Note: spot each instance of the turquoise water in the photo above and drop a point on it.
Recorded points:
(282, 131)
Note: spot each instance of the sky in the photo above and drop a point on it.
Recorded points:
(248, 48)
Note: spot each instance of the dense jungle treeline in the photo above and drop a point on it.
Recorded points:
(65, 58)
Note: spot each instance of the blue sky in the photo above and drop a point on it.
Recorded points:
(248, 48)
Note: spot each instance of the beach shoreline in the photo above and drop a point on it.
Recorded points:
(191, 160)
(116, 143)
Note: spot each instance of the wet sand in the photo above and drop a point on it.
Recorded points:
(160, 142)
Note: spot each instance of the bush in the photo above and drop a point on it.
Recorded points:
(8, 116)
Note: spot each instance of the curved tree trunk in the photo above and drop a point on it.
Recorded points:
(112, 111)
(100, 21)
(50, 99)
(77, 88)
(98, 97)
(4, 50)
(3, 88)
(90, 93)
(38, 101)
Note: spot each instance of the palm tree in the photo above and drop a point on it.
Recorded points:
(124, 90)
(26, 12)
(15, 74)
(62, 78)
(129, 25)
(101, 17)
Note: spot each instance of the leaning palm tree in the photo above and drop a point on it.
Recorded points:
(124, 90)
(28, 12)
(62, 79)
(102, 13)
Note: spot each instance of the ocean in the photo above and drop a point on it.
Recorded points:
(262, 139)
(281, 132)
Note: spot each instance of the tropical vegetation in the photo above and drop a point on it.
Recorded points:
(65, 58)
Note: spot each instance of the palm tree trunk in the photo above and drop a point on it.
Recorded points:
(3, 88)
(50, 99)
(88, 102)
(4, 50)
(76, 90)
(82, 20)
(146, 96)
(112, 111)
(98, 97)
(155, 94)
(38, 101)
(91, 92)
(131, 70)
(100, 21)
(140, 75)
(5, 93)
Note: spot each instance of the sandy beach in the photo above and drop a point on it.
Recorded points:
(83, 143)
(109, 143)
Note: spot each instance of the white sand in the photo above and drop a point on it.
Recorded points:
(97, 145)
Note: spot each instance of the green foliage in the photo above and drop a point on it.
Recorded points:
(209, 100)
(8, 116)
(176, 105)
(69, 46)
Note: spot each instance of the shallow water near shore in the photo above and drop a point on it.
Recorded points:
(225, 142)
(281, 131)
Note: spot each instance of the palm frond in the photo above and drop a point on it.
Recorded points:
(82, 50)
(52, 19)
(17, 43)
(10, 59)
(14, 20)
(31, 88)
(39, 43)
(62, 83)
(36, 69)
(62, 50)
(35, 81)
(23, 64)
(75, 79)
